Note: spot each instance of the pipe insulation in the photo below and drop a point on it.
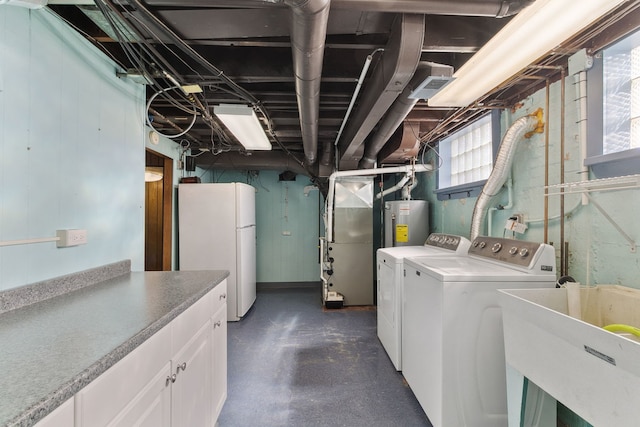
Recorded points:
(501, 168)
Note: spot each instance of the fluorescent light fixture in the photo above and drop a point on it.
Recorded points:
(242, 121)
(530, 35)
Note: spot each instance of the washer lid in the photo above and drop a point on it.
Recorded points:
(467, 269)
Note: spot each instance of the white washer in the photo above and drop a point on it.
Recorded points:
(390, 275)
(452, 341)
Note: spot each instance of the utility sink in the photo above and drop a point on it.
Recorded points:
(593, 372)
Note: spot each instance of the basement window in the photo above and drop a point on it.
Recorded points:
(613, 94)
(467, 158)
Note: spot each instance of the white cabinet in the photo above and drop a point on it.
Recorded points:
(219, 359)
(191, 391)
(151, 407)
(62, 416)
(127, 383)
(171, 379)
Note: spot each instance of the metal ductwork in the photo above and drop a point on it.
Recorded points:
(308, 34)
(258, 160)
(495, 8)
(489, 8)
(399, 111)
(394, 71)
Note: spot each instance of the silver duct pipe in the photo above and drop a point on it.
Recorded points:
(308, 34)
(399, 110)
(489, 8)
(494, 8)
(389, 78)
(501, 169)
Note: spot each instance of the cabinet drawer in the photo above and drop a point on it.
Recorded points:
(219, 296)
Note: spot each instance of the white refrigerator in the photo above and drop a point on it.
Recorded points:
(217, 231)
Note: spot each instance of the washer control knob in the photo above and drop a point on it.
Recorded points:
(513, 250)
(496, 247)
(524, 252)
(482, 245)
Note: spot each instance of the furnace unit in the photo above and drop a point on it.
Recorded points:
(350, 254)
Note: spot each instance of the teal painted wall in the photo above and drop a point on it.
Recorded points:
(71, 151)
(287, 224)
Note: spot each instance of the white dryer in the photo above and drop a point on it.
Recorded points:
(390, 275)
(452, 341)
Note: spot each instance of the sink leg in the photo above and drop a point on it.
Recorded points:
(539, 407)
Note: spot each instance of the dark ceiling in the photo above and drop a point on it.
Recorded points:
(298, 64)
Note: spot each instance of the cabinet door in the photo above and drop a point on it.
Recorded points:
(62, 416)
(191, 391)
(101, 401)
(219, 346)
(152, 406)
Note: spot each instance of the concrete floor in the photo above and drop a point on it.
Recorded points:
(292, 363)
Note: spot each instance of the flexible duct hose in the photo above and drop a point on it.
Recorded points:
(501, 168)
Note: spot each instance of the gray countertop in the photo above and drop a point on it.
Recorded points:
(51, 349)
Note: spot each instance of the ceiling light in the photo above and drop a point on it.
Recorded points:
(530, 35)
(242, 121)
(153, 173)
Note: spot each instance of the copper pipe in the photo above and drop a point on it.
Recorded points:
(563, 251)
(546, 165)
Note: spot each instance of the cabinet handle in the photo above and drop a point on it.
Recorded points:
(217, 324)
(170, 379)
(183, 367)
(223, 296)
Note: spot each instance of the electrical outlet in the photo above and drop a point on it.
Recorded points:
(71, 237)
(286, 233)
(514, 225)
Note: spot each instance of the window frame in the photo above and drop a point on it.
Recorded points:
(609, 165)
(470, 189)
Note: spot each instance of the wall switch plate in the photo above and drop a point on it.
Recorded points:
(286, 233)
(71, 237)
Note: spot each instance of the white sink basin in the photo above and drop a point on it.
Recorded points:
(593, 372)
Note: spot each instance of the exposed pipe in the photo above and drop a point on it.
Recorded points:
(332, 179)
(509, 205)
(392, 73)
(546, 165)
(492, 8)
(489, 8)
(581, 100)
(502, 167)
(563, 251)
(399, 110)
(363, 74)
(395, 188)
(308, 34)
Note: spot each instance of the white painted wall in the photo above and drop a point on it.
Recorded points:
(71, 151)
